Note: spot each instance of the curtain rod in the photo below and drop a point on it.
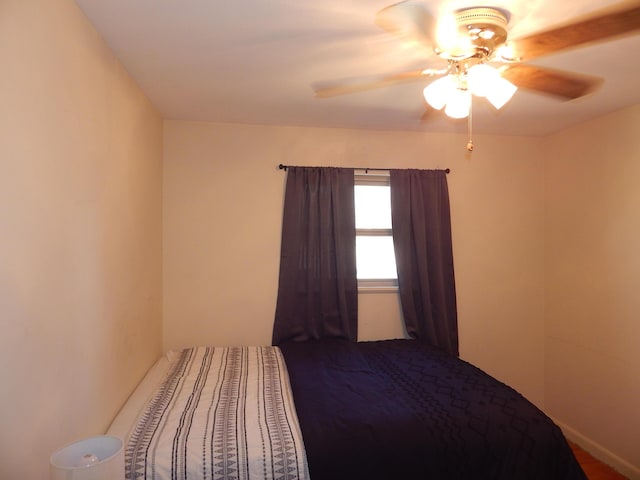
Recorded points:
(366, 169)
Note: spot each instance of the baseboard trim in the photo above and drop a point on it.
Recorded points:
(599, 452)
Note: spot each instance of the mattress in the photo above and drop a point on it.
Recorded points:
(214, 413)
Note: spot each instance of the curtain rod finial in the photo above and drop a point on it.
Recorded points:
(282, 167)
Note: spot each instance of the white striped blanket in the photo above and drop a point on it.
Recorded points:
(221, 413)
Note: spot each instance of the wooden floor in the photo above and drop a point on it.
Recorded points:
(594, 469)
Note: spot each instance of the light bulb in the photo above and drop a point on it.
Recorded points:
(459, 104)
(507, 53)
(451, 42)
(437, 93)
(447, 32)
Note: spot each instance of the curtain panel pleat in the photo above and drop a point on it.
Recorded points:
(421, 226)
(317, 288)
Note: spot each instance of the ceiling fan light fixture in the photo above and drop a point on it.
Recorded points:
(453, 91)
(458, 103)
(481, 79)
(437, 93)
(501, 92)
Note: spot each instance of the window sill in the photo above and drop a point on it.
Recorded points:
(371, 289)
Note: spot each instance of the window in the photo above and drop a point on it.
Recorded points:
(375, 258)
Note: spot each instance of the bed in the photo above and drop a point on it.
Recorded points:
(334, 409)
(213, 413)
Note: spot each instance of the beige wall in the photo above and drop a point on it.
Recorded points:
(80, 241)
(81, 269)
(223, 197)
(592, 225)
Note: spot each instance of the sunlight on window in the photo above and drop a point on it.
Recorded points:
(373, 206)
(375, 258)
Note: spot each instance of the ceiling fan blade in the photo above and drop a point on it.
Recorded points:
(411, 20)
(430, 115)
(602, 25)
(333, 89)
(558, 83)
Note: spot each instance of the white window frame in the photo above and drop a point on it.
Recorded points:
(381, 285)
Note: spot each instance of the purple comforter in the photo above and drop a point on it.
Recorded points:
(400, 409)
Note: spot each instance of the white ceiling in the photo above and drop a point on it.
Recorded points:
(254, 61)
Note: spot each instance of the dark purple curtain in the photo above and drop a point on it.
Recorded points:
(421, 224)
(317, 290)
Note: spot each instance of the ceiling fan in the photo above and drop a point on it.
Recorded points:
(470, 39)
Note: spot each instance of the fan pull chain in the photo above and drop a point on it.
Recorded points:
(470, 127)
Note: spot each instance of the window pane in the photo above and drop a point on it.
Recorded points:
(373, 206)
(375, 257)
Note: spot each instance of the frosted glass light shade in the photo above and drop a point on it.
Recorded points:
(95, 458)
(438, 92)
(501, 92)
(482, 79)
(459, 104)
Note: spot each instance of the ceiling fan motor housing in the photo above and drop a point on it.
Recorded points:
(483, 28)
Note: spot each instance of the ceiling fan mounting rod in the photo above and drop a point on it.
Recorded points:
(461, 67)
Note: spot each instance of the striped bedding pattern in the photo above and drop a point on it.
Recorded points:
(220, 413)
